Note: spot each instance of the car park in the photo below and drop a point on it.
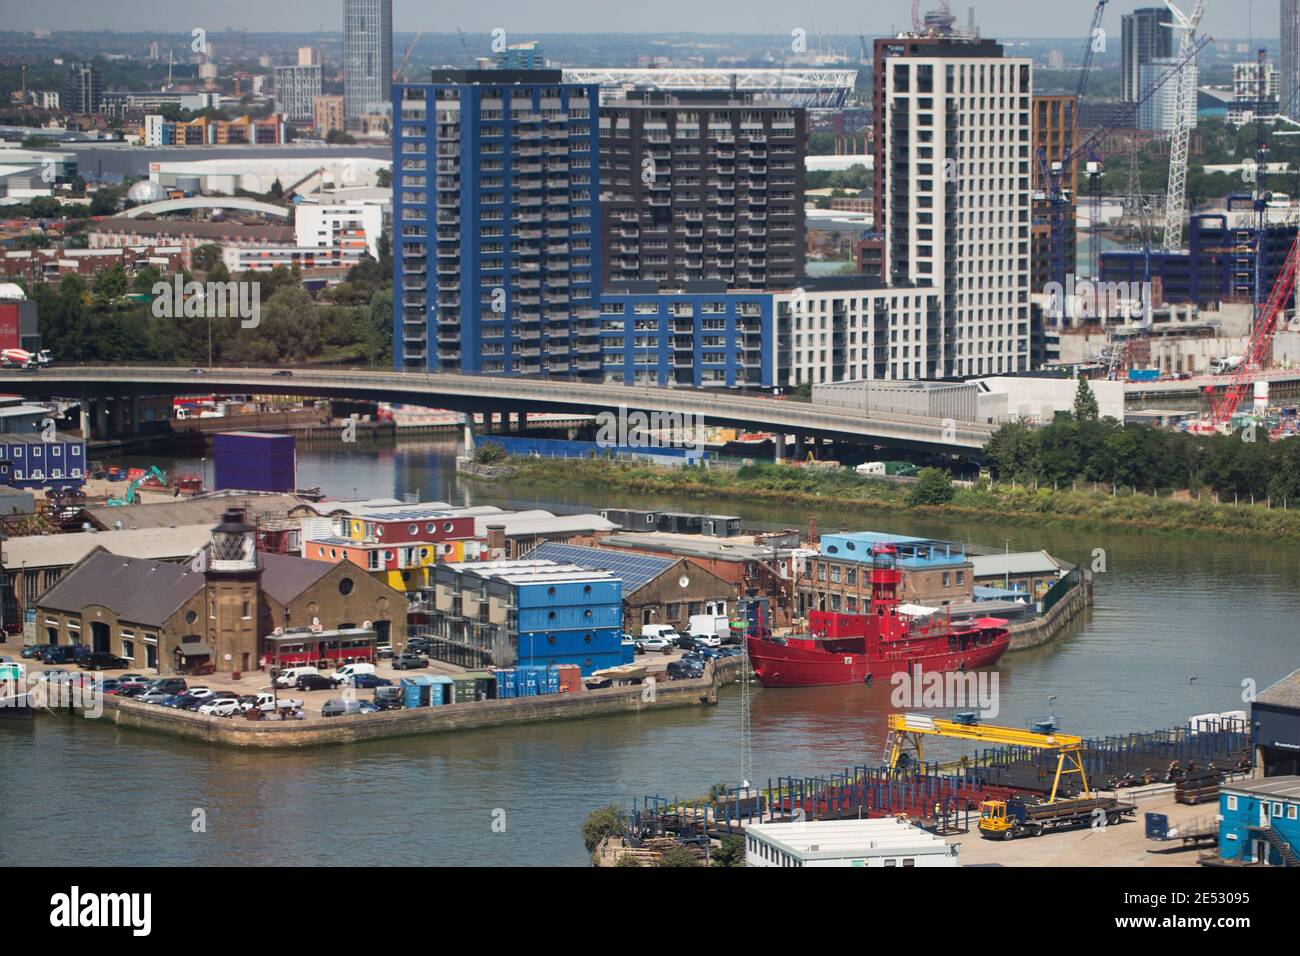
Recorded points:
(221, 705)
(685, 670)
(405, 661)
(315, 682)
(339, 706)
(366, 681)
(388, 698)
(102, 661)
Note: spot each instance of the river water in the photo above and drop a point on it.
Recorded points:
(1177, 626)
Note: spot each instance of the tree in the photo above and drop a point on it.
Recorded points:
(1085, 403)
(206, 256)
(277, 189)
(731, 852)
(384, 177)
(678, 856)
(599, 824)
(1012, 451)
(44, 207)
(933, 487)
(490, 453)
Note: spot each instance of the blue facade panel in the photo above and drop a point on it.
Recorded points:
(496, 183)
(34, 464)
(1246, 815)
(721, 339)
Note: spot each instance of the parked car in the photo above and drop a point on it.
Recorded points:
(384, 651)
(405, 661)
(34, 651)
(388, 697)
(221, 705)
(707, 640)
(685, 669)
(338, 706)
(53, 677)
(370, 680)
(684, 641)
(289, 677)
(134, 680)
(59, 654)
(111, 686)
(345, 673)
(102, 661)
(418, 645)
(268, 702)
(662, 644)
(315, 682)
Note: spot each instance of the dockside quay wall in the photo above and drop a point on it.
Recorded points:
(354, 728)
(1042, 629)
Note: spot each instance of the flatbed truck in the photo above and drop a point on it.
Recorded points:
(1017, 817)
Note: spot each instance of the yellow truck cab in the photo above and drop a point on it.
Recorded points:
(993, 819)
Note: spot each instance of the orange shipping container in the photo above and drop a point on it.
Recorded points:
(570, 678)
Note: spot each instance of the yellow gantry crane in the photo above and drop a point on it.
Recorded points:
(910, 730)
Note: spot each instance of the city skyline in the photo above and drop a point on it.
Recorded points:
(1006, 19)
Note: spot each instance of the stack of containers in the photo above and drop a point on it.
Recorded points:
(576, 621)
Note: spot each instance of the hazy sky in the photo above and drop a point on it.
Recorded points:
(1008, 18)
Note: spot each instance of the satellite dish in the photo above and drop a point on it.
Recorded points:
(684, 581)
(367, 626)
(279, 631)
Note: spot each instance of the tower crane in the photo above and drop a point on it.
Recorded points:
(1259, 352)
(1185, 106)
(1124, 116)
(400, 72)
(1058, 205)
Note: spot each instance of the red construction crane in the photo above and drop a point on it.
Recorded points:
(1259, 354)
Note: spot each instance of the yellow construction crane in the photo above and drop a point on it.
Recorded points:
(911, 730)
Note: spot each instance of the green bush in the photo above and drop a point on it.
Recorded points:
(933, 487)
(598, 825)
(490, 453)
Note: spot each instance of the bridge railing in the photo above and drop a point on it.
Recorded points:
(791, 416)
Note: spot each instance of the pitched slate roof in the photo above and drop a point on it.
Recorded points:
(135, 589)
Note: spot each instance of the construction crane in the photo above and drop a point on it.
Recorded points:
(1058, 206)
(1054, 187)
(400, 72)
(937, 22)
(1185, 107)
(910, 730)
(1259, 353)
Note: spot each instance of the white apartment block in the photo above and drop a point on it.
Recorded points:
(346, 226)
(827, 336)
(957, 154)
(1248, 92)
(296, 89)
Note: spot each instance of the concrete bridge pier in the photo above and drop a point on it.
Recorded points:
(468, 436)
(778, 447)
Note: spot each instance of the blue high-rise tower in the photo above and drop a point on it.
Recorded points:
(496, 182)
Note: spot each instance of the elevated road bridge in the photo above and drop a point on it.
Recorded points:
(489, 394)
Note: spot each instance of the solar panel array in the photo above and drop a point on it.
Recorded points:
(635, 569)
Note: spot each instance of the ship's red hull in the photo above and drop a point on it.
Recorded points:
(787, 665)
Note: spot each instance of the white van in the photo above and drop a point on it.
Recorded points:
(345, 673)
(708, 627)
(657, 637)
(290, 677)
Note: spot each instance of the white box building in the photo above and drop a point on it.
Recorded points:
(957, 129)
(883, 842)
